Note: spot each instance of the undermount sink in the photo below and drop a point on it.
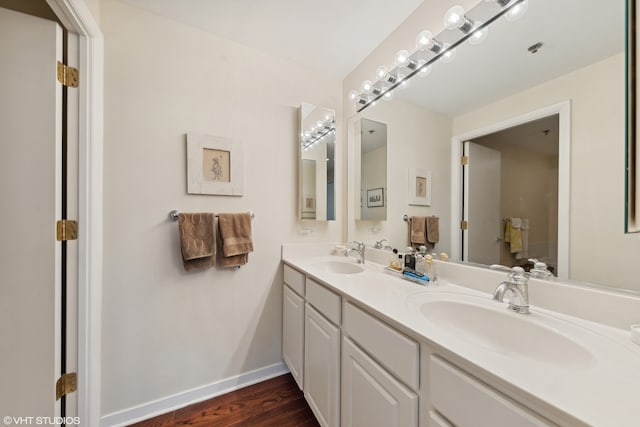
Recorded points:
(340, 267)
(505, 332)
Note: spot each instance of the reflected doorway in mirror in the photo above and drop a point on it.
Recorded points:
(419, 187)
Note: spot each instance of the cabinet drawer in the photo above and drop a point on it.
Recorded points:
(396, 352)
(467, 402)
(325, 301)
(294, 279)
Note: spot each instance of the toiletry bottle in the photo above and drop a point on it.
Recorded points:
(410, 259)
(420, 264)
(395, 262)
(431, 270)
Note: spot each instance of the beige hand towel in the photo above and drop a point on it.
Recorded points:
(235, 238)
(433, 229)
(418, 231)
(197, 240)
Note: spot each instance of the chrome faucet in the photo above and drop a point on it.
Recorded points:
(359, 250)
(517, 285)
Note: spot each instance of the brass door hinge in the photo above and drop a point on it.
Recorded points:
(66, 384)
(68, 76)
(464, 225)
(464, 160)
(66, 229)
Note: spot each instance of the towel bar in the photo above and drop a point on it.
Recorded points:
(174, 215)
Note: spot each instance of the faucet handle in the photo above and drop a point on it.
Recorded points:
(515, 273)
(380, 244)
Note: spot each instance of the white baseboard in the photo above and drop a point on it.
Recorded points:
(188, 397)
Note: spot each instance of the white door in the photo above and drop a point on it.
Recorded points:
(293, 333)
(30, 188)
(371, 397)
(322, 368)
(481, 241)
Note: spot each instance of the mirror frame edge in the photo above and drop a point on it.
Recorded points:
(632, 186)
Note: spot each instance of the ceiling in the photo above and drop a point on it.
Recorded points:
(333, 36)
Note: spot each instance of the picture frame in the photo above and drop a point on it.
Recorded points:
(375, 198)
(215, 165)
(419, 187)
(632, 151)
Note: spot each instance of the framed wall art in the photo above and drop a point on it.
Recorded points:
(419, 187)
(215, 165)
(375, 198)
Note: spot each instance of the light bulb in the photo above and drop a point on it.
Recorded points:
(449, 55)
(424, 71)
(352, 95)
(454, 18)
(381, 71)
(404, 84)
(479, 35)
(402, 57)
(388, 96)
(517, 11)
(423, 40)
(367, 86)
(319, 124)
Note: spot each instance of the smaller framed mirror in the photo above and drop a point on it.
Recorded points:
(371, 167)
(316, 163)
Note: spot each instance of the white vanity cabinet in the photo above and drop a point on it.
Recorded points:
(380, 392)
(458, 399)
(293, 334)
(322, 353)
(293, 323)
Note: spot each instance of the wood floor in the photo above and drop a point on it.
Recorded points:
(276, 402)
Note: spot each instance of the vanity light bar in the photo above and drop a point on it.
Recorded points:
(408, 66)
(318, 132)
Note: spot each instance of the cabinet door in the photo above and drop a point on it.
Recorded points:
(293, 334)
(371, 396)
(322, 368)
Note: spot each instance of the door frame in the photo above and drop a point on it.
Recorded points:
(563, 109)
(77, 18)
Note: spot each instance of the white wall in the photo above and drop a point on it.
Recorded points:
(416, 138)
(166, 331)
(600, 251)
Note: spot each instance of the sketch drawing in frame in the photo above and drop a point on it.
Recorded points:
(215, 165)
(419, 187)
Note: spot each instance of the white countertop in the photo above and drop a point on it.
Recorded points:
(602, 389)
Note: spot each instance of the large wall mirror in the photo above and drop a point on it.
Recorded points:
(562, 171)
(316, 168)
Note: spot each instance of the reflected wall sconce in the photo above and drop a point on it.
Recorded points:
(430, 49)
